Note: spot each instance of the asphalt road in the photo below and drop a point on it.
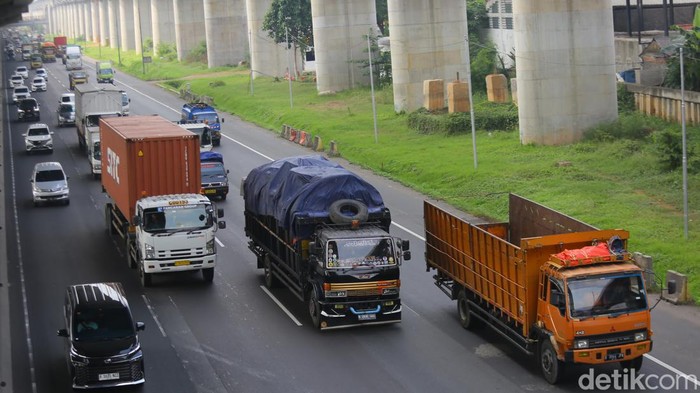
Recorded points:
(234, 335)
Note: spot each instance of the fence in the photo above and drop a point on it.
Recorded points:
(666, 103)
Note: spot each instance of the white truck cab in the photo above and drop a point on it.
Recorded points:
(176, 233)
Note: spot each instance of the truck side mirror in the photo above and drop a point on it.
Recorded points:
(137, 221)
(405, 245)
(671, 287)
(140, 326)
(222, 119)
(219, 213)
(221, 224)
(406, 255)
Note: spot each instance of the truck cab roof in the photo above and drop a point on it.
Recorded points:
(172, 200)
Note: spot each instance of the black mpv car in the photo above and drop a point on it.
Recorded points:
(102, 346)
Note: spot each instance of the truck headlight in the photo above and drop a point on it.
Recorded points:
(211, 247)
(640, 336)
(150, 253)
(581, 344)
(336, 293)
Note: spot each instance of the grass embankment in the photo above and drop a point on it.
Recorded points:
(615, 183)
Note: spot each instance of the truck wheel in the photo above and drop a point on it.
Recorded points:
(146, 278)
(345, 211)
(208, 274)
(552, 368)
(314, 309)
(465, 316)
(635, 363)
(270, 280)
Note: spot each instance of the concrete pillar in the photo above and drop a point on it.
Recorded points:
(189, 26)
(113, 18)
(87, 12)
(103, 21)
(427, 39)
(565, 68)
(49, 17)
(226, 27)
(80, 14)
(142, 23)
(95, 20)
(266, 57)
(163, 22)
(126, 26)
(340, 41)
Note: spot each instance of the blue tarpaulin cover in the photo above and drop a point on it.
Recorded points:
(304, 186)
(210, 156)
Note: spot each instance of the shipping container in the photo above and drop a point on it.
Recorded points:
(147, 156)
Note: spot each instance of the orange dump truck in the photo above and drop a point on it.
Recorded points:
(557, 288)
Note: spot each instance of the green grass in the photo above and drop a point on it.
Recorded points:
(610, 182)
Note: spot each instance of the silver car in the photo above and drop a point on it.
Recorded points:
(66, 113)
(49, 183)
(38, 138)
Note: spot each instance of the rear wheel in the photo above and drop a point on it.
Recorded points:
(314, 309)
(552, 368)
(208, 274)
(466, 319)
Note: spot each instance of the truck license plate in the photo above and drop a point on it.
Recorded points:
(210, 191)
(108, 376)
(614, 356)
(182, 263)
(367, 317)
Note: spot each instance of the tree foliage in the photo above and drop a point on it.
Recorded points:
(290, 20)
(691, 62)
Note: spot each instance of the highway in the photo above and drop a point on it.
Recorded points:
(235, 335)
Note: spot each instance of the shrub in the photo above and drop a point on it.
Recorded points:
(488, 117)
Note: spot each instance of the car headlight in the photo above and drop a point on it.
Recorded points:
(336, 293)
(581, 344)
(150, 252)
(77, 358)
(640, 336)
(211, 246)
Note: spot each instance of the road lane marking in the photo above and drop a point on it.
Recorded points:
(289, 314)
(408, 231)
(23, 283)
(153, 314)
(690, 378)
(219, 242)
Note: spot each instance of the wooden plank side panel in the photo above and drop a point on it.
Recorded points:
(476, 259)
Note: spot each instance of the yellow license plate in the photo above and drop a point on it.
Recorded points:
(182, 263)
(210, 191)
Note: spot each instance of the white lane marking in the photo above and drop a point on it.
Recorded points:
(410, 309)
(690, 378)
(408, 231)
(219, 242)
(289, 314)
(248, 147)
(25, 307)
(153, 314)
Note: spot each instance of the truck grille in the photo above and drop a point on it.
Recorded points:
(181, 253)
(359, 289)
(607, 340)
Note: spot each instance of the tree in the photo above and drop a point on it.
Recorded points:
(383, 16)
(290, 20)
(691, 61)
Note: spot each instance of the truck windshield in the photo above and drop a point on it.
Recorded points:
(210, 118)
(601, 295)
(177, 218)
(352, 253)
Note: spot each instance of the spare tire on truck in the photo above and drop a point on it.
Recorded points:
(345, 211)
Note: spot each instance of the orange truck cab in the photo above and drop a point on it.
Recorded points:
(559, 289)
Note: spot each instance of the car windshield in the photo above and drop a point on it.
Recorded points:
(17, 77)
(102, 324)
(38, 131)
(50, 175)
(27, 104)
(600, 295)
(351, 253)
(177, 218)
(66, 109)
(20, 90)
(38, 80)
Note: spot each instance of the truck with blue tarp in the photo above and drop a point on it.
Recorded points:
(200, 112)
(323, 232)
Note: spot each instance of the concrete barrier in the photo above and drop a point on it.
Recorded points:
(285, 131)
(646, 263)
(681, 295)
(333, 149)
(317, 143)
(303, 138)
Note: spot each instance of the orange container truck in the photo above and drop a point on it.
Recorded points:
(151, 172)
(557, 288)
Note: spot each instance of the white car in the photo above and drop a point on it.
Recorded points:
(20, 93)
(38, 84)
(16, 80)
(38, 138)
(67, 97)
(22, 70)
(49, 183)
(42, 73)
